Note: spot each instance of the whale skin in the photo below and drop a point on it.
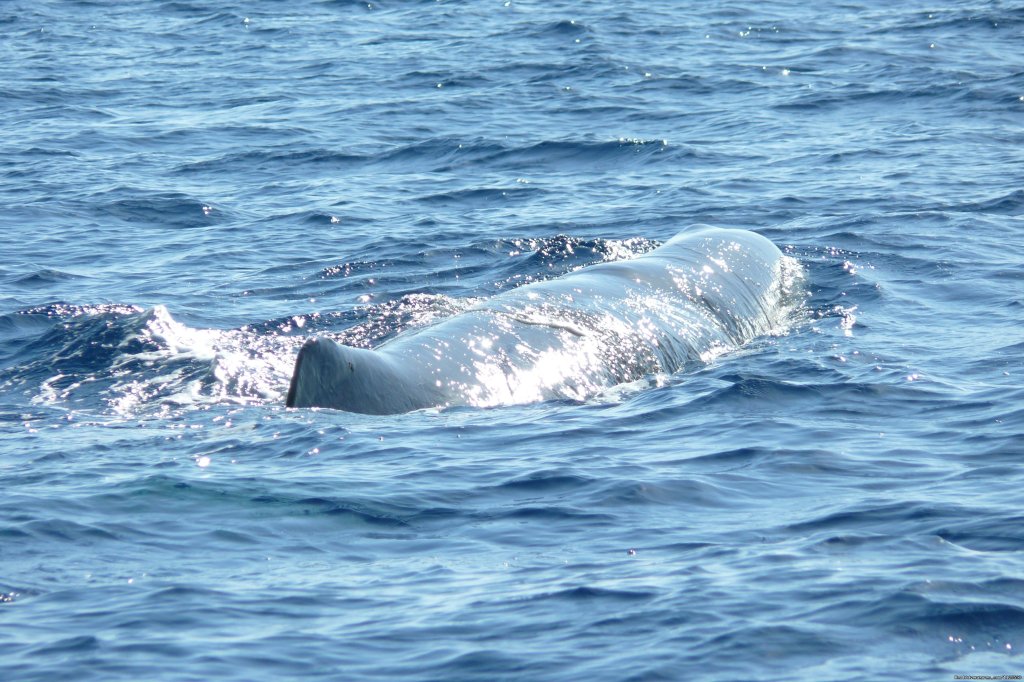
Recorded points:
(678, 306)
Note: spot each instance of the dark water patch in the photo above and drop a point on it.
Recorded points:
(69, 645)
(159, 210)
(79, 338)
(437, 80)
(552, 513)
(473, 198)
(1012, 349)
(1011, 204)
(958, 20)
(322, 218)
(675, 85)
(347, 510)
(766, 395)
(14, 533)
(86, 341)
(219, 536)
(44, 277)
(732, 459)
(184, 594)
(122, 357)
(275, 160)
(486, 662)
(566, 155)
(587, 593)
(69, 531)
(665, 492)
(49, 152)
(566, 27)
(679, 547)
(848, 542)
(543, 482)
(999, 533)
(768, 642)
(974, 625)
(19, 328)
(198, 11)
(922, 517)
(876, 98)
(437, 154)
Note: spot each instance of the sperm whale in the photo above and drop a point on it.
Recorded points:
(699, 294)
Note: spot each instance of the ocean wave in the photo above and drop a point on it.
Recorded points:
(130, 359)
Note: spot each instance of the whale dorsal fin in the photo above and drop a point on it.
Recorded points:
(328, 374)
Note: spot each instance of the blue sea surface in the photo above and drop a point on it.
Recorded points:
(190, 190)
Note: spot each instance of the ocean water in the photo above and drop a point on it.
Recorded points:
(188, 191)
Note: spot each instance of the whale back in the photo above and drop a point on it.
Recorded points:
(682, 304)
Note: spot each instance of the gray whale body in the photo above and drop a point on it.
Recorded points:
(680, 305)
